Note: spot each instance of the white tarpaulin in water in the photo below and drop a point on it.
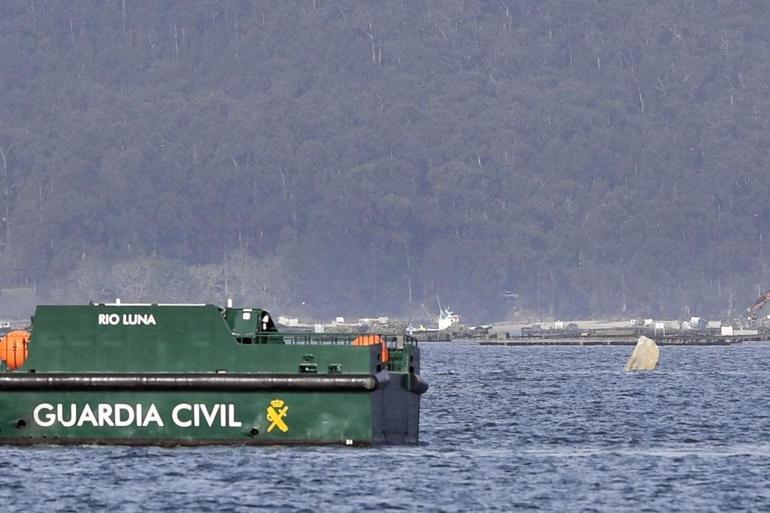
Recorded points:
(645, 355)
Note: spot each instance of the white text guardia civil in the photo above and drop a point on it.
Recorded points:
(183, 415)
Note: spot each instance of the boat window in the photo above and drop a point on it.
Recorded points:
(267, 323)
(244, 340)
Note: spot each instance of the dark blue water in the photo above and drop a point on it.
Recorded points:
(503, 429)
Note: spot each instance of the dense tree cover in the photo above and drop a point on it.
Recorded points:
(594, 157)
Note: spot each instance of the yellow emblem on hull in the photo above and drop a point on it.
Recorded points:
(275, 414)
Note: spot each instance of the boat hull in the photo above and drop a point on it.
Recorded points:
(388, 414)
(197, 374)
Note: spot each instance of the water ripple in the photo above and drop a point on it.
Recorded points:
(503, 429)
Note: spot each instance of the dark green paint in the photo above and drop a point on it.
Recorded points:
(204, 340)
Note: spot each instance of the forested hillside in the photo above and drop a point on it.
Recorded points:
(593, 157)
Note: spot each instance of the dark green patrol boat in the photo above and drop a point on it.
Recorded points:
(200, 374)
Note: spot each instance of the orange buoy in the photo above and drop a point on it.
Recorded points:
(14, 348)
(370, 340)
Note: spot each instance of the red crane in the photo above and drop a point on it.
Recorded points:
(758, 304)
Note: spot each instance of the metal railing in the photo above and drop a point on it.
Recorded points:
(310, 338)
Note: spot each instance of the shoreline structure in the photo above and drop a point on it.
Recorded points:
(696, 332)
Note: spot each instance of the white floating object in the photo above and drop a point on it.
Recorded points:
(645, 355)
